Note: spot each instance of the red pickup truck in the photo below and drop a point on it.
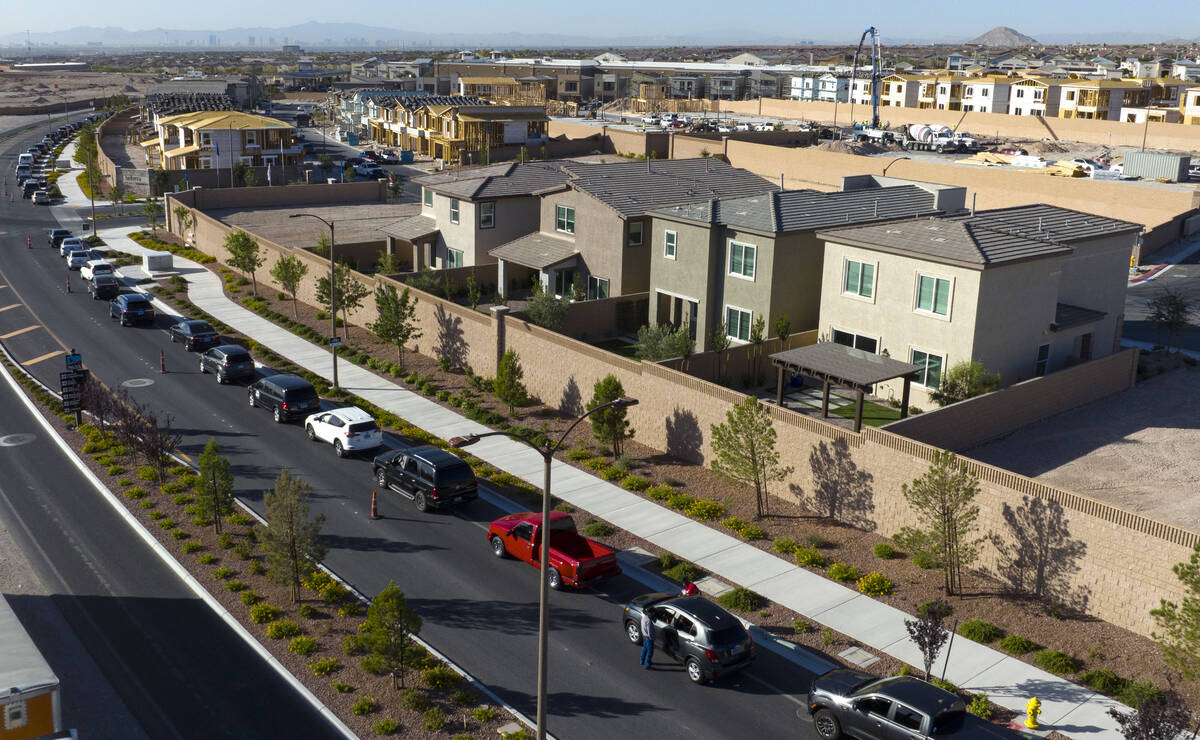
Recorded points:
(574, 560)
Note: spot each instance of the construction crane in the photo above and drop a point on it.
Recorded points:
(876, 60)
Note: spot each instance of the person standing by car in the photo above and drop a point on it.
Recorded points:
(647, 639)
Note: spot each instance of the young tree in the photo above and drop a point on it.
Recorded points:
(245, 255)
(292, 539)
(783, 330)
(323, 245)
(389, 628)
(1178, 633)
(928, 633)
(249, 177)
(214, 485)
(474, 293)
(159, 180)
(350, 292)
(964, 380)
(397, 322)
(152, 209)
(288, 272)
(509, 385)
(547, 311)
(719, 342)
(745, 452)
(610, 425)
(945, 499)
(685, 344)
(1166, 718)
(658, 342)
(1170, 311)
(117, 196)
(237, 174)
(326, 163)
(150, 435)
(757, 334)
(388, 263)
(183, 217)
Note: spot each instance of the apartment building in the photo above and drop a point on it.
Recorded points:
(1189, 106)
(592, 229)
(826, 87)
(1101, 99)
(218, 139)
(572, 79)
(1034, 96)
(735, 260)
(986, 94)
(899, 90)
(1025, 291)
(940, 92)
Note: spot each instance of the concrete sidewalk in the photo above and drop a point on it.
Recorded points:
(1073, 710)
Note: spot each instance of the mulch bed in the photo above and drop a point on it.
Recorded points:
(1095, 643)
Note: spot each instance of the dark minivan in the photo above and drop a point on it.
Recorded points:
(430, 476)
(288, 396)
(228, 362)
(131, 308)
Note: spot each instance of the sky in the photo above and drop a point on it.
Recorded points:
(820, 21)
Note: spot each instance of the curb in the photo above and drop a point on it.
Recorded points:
(1150, 274)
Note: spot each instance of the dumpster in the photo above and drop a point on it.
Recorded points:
(352, 139)
(406, 156)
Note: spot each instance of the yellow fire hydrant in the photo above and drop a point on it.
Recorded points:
(1033, 708)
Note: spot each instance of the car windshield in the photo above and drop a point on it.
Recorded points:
(299, 394)
(200, 327)
(948, 722)
(359, 427)
(455, 474)
(104, 280)
(728, 636)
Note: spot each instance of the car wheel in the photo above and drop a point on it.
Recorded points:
(277, 416)
(312, 435)
(338, 449)
(421, 502)
(827, 725)
(694, 671)
(174, 339)
(204, 370)
(554, 578)
(251, 397)
(633, 632)
(221, 379)
(381, 478)
(498, 548)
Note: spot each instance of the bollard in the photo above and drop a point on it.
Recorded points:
(28, 242)
(162, 361)
(1033, 708)
(68, 282)
(374, 507)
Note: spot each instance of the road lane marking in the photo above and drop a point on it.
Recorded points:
(46, 356)
(10, 307)
(18, 332)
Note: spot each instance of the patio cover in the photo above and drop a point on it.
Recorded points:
(837, 364)
(536, 250)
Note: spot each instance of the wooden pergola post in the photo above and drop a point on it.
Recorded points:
(858, 404)
(904, 398)
(825, 400)
(779, 386)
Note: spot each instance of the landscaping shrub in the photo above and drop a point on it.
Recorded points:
(282, 628)
(374, 665)
(144, 472)
(435, 719)
(167, 523)
(223, 573)
(235, 586)
(924, 607)
(116, 469)
(785, 545)
(843, 572)
(1017, 644)
(875, 584)
(206, 559)
(660, 492)
(598, 529)
(1103, 680)
(364, 705)
(683, 572)
(302, 645)
(387, 726)
(885, 551)
(440, 677)
(980, 631)
(257, 568)
(225, 541)
(579, 454)
(633, 482)
(667, 560)
(810, 557)
(183, 499)
(341, 688)
(705, 509)
(812, 539)
(801, 627)
(1136, 693)
(171, 487)
(463, 698)
(135, 492)
(243, 550)
(324, 666)
(742, 600)
(924, 560)
(179, 534)
(485, 714)
(148, 504)
(680, 501)
(192, 546)
(353, 644)
(905, 670)
(611, 473)
(944, 685)
(1056, 661)
(744, 529)
(250, 598)
(262, 612)
(414, 699)
(125, 482)
(308, 611)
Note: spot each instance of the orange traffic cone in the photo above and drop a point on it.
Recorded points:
(374, 506)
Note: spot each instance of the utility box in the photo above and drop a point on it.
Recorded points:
(1155, 166)
(156, 261)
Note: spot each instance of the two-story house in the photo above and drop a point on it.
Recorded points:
(1034, 96)
(826, 87)
(899, 90)
(734, 260)
(467, 212)
(1024, 291)
(940, 92)
(987, 94)
(1101, 99)
(1189, 106)
(593, 228)
(217, 139)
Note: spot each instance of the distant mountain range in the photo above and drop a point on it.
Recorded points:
(1004, 36)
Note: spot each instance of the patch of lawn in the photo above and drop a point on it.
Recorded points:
(874, 414)
(617, 346)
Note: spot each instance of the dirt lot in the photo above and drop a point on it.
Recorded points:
(1137, 450)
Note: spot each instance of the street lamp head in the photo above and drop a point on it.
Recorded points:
(622, 403)
(464, 441)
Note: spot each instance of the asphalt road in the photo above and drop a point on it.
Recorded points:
(478, 610)
(1183, 278)
(142, 638)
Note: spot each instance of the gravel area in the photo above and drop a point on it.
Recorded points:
(16, 575)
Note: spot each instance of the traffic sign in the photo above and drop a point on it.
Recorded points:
(74, 361)
(335, 341)
(70, 384)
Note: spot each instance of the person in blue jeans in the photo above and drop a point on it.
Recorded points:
(647, 640)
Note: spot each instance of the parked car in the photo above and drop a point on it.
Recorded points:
(41, 197)
(650, 120)
(387, 156)
(131, 308)
(92, 268)
(194, 334)
(287, 396)
(709, 641)
(373, 171)
(431, 477)
(352, 161)
(227, 362)
(574, 560)
(1015, 151)
(76, 259)
(70, 244)
(104, 286)
(348, 429)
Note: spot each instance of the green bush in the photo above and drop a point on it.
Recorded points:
(633, 482)
(324, 666)
(341, 688)
(166, 523)
(235, 586)
(171, 487)
(223, 573)
(353, 644)
(435, 719)
(1103, 680)
(257, 568)
(752, 532)
(875, 584)
(179, 534)
(885, 550)
(980, 631)
(924, 560)
(1017, 644)
(386, 726)
(680, 501)
(145, 472)
(598, 529)
(135, 492)
(308, 611)
(440, 677)
(262, 612)
(302, 645)
(282, 628)
(706, 509)
(944, 685)
(1136, 693)
(660, 492)
(148, 504)
(183, 499)
(610, 473)
(464, 698)
(243, 550)
(364, 705)
(785, 545)
(683, 572)
(192, 546)
(843, 572)
(116, 469)
(250, 598)
(485, 714)
(813, 539)
(225, 541)
(207, 559)
(373, 664)
(579, 454)
(125, 482)
(801, 627)
(924, 607)
(742, 600)
(1056, 661)
(414, 699)
(810, 557)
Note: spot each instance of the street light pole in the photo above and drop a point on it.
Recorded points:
(547, 454)
(333, 347)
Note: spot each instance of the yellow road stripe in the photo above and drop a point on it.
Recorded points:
(12, 334)
(6, 308)
(46, 356)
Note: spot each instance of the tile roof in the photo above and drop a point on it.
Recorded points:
(412, 228)
(496, 181)
(535, 250)
(216, 119)
(633, 188)
(802, 210)
(1067, 316)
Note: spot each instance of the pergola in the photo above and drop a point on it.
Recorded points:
(837, 364)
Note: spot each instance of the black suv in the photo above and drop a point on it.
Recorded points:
(104, 286)
(288, 396)
(430, 476)
(709, 641)
(131, 308)
(57, 235)
(194, 334)
(228, 361)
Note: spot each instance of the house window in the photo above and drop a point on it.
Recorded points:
(635, 233)
(670, 238)
(1043, 360)
(933, 295)
(564, 219)
(205, 138)
(741, 259)
(251, 139)
(454, 210)
(860, 279)
(487, 215)
(453, 258)
(427, 194)
(1020, 92)
(206, 163)
(597, 288)
(930, 374)
(737, 323)
(570, 86)
(857, 341)
(983, 92)
(1070, 94)
(564, 282)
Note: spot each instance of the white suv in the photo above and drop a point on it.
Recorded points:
(347, 429)
(94, 268)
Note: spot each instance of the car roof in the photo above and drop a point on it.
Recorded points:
(914, 692)
(231, 349)
(434, 455)
(353, 414)
(713, 616)
(135, 298)
(286, 381)
(98, 262)
(193, 322)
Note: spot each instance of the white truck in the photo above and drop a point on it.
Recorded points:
(870, 133)
(937, 137)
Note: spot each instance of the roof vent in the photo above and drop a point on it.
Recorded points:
(938, 239)
(894, 231)
(934, 228)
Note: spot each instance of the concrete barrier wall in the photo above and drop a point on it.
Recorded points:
(607, 317)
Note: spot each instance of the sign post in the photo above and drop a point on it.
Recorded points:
(70, 385)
